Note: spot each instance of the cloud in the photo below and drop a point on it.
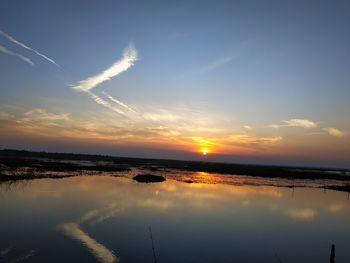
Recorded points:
(251, 141)
(216, 64)
(86, 85)
(162, 116)
(296, 123)
(127, 60)
(118, 102)
(102, 253)
(104, 103)
(334, 132)
(38, 120)
(161, 129)
(6, 116)
(23, 58)
(26, 47)
(42, 114)
(247, 127)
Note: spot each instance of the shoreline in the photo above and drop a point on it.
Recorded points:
(22, 165)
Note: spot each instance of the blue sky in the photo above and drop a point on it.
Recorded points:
(240, 78)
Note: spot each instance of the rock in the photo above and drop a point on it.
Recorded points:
(149, 178)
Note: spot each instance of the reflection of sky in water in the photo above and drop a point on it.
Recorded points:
(107, 219)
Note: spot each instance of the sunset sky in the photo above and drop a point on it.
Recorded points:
(243, 81)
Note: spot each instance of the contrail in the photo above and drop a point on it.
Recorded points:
(121, 65)
(102, 102)
(117, 101)
(26, 47)
(127, 60)
(23, 58)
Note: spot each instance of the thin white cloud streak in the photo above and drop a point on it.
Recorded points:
(334, 132)
(42, 114)
(296, 123)
(9, 52)
(216, 64)
(118, 101)
(102, 253)
(28, 48)
(127, 60)
(104, 103)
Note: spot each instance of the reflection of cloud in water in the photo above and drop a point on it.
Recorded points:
(251, 191)
(335, 208)
(245, 202)
(95, 216)
(99, 215)
(219, 191)
(155, 203)
(102, 253)
(5, 251)
(23, 257)
(305, 214)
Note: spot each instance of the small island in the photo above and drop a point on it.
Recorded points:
(149, 178)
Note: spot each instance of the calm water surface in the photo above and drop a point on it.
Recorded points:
(108, 219)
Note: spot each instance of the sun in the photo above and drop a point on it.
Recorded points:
(204, 151)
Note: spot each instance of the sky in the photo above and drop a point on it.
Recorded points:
(262, 82)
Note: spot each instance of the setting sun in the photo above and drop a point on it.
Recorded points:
(204, 151)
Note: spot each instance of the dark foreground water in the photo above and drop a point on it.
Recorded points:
(108, 219)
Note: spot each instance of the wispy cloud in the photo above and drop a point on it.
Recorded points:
(44, 115)
(334, 132)
(250, 143)
(216, 64)
(303, 123)
(118, 101)
(103, 102)
(11, 53)
(159, 129)
(128, 59)
(102, 253)
(13, 40)
(247, 127)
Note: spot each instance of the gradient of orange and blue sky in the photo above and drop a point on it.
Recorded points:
(246, 81)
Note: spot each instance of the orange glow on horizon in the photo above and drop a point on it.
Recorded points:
(204, 145)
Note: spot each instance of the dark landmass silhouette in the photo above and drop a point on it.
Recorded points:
(18, 165)
(149, 178)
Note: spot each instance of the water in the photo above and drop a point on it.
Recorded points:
(108, 219)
